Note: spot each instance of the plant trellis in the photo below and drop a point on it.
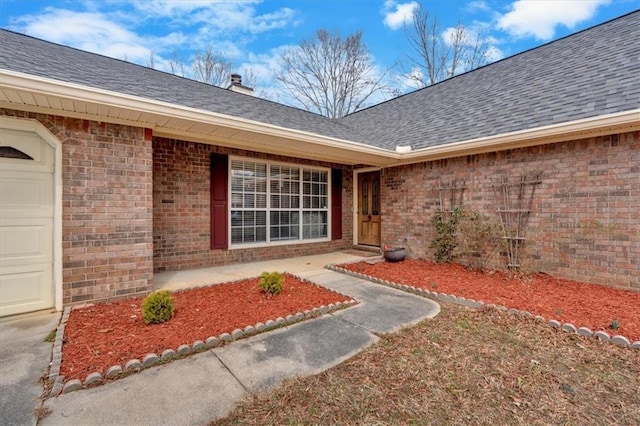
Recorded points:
(514, 199)
(451, 197)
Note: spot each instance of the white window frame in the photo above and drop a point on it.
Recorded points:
(300, 209)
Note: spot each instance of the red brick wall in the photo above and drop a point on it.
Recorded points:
(106, 208)
(131, 206)
(585, 220)
(181, 221)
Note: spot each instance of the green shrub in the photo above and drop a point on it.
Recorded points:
(444, 240)
(271, 282)
(157, 307)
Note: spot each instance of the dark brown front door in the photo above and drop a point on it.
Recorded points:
(369, 208)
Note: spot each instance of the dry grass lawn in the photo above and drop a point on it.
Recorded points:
(464, 367)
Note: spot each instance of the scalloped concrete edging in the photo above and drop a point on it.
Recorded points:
(470, 303)
(135, 365)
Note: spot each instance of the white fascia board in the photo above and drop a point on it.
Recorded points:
(625, 121)
(45, 86)
(578, 129)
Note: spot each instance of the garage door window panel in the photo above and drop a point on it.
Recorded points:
(11, 152)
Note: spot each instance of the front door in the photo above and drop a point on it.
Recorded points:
(369, 209)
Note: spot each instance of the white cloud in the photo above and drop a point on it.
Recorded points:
(60, 25)
(271, 21)
(540, 18)
(218, 16)
(396, 14)
(263, 67)
(450, 34)
(493, 54)
(173, 39)
(477, 6)
(410, 81)
(87, 31)
(173, 8)
(188, 27)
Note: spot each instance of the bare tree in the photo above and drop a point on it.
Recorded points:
(176, 65)
(211, 68)
(249, 78)
(439, 55)
(330, 75)
(151, 61)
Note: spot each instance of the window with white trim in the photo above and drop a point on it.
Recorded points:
(273, 202)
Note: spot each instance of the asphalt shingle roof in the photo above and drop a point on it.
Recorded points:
(591, 73)
(33, 56)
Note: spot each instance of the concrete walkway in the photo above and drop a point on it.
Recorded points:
(24, 358)
(176, 280)
(206, 386)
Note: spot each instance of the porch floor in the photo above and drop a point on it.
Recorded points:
(176, 280)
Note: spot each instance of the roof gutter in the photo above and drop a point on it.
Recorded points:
(50, 87)
(590, 127)
(627, 121)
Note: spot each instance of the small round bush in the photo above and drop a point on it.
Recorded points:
(157, 307)
(271, 282)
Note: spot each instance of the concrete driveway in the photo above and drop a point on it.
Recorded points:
(24, 358)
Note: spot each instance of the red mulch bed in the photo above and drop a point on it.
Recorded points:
(583, 305)
(109, 334)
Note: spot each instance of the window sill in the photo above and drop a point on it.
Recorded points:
(277, 243)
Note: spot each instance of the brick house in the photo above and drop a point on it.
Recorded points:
(111, 171)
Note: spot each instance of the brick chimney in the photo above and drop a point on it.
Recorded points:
(236, 85)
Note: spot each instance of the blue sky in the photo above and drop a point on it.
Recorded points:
(252, 33)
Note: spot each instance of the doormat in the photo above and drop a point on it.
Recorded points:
(361, 253)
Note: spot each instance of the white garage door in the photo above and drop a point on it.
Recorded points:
(26, 222)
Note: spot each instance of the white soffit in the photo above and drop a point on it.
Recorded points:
(19, 91)
(27, 92)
